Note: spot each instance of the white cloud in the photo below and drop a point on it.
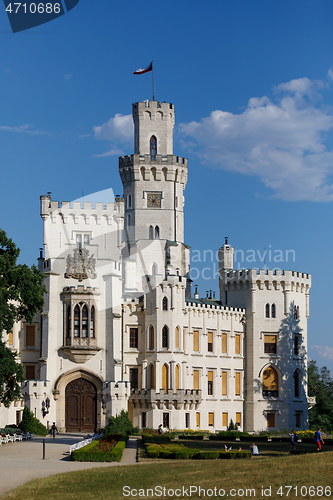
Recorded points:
(117, 129)
(23, 129)
(324, 351)
(113, 152)
(280, 140)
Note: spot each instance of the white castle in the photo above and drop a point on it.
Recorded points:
(120, 329)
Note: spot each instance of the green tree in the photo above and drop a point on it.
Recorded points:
(320, 385)
(21, 296)
(31, 424)
(121, 424)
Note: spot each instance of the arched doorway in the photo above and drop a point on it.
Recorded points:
(81, 399)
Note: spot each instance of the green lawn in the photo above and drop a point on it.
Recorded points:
(269, 471)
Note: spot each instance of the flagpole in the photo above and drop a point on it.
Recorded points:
(153, 82)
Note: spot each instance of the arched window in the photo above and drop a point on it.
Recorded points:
(267, 310)
(273, 310)
(128, 220)
(153, 148)
(154, 269)
(152, 376)
(77, 316)
(270, 382)
(177, 339)
(165, 304)
(165, 376)
(153, 173)
(165, 336)
(129, 201)
(297, 380)
(84, 321)
(142, 171)
(151, 232)
(151, 337)
(157, 233)
(296, 312)
(92, 322)
(177, 378)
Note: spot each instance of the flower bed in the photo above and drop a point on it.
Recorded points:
(108, 449)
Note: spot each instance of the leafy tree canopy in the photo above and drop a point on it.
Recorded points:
(121, 424)
(320, 385)
(21, 296)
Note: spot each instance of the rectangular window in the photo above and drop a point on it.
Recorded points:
(298, 420)
(30, 335)
(210, 383)
(296, 345)
(270, 344)
(30, 372)
(134, 338)
(79, 240)
(187, 420)
(10, 337)
(237, 344)
(211, 419)
(197, 416)
(134, 378)
(166, 420)
(270, 419)
(86, 239)
(224, 384)
(196, 340)
(237, 384)
(143, 419)
(225, 419)
(196, 380)
(210, 341)
(224, 343)
(238, 418)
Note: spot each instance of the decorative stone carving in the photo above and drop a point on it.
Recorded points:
(81, 265)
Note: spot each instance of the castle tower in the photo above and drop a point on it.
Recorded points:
(154, 181)
(226, 263)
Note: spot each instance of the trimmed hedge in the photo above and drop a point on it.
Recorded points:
(192, 438)
(229, 455)
(171, 450)
(158, 439)
(87, 453)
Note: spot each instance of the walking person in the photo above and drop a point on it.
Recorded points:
(294, 439)
(54, 430)
(318, 439)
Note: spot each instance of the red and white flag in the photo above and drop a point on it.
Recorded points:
(141, 71)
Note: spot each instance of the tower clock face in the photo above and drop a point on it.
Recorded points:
(154, 200)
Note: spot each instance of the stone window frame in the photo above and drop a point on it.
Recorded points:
(72, 298)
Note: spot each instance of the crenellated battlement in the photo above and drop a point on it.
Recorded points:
(301, 281)
(165, 168)
(66, 210)
(213, 307)
(166, 109)
(161, 160)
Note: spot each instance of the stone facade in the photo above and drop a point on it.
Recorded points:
(120, 315)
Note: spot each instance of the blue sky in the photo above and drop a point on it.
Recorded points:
(252, 83)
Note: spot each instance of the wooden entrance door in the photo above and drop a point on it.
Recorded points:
(81, 398)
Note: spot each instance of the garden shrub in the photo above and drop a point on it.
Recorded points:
(229, 455)
(121, 424)
(31, 424)
(88, 453)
